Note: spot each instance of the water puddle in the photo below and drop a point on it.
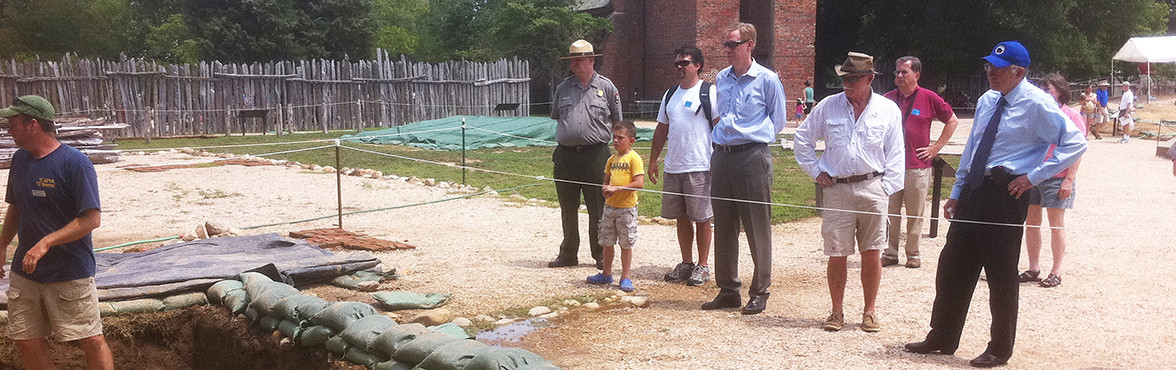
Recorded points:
(513, 332)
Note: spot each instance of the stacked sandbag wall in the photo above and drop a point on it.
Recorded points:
(359, 333)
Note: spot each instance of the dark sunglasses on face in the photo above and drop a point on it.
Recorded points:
(734, 44)
(682, 63)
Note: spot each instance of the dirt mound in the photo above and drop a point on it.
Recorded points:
(202, 337)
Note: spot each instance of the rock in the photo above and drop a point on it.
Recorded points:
(549, 316)
(636, 301)
(329, 169)
(377, 174)
(644, 219)
(190, 236)
(215, 228)
(368, 286)
(201, 232)
(347, 171)
(462, 322)
(444, 185)
(430, 182)
(433, 317)
(222, 155)
(393, 315)
(490, 191)
(583, 207)
(3, 317)
(519, 198)
(571, 303)
(591, 305)
(539, 310)
(315, 168)
(483, 318)
(286, 343)
(234, 232)
(504, 322)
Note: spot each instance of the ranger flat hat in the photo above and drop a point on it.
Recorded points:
(856, 64)
(581, 49)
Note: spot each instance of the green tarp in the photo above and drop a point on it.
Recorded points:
(480, 132)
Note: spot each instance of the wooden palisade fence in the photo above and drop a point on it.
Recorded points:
(157, 100)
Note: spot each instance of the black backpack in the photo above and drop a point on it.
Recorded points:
(703, 97)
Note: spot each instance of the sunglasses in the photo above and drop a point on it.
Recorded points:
(734, 44)
(683, 63)
(16, 101)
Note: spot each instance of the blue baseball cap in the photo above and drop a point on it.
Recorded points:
(1008, 53)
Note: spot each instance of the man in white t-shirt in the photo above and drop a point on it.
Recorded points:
(684, 123)
(1126, 108)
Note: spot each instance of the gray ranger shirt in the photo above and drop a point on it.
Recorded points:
(584, 116)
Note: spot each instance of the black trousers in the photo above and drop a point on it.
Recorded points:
(583, 164)
(971, 247)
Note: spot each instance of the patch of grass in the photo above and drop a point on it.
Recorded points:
(178, 192)
(790, 186)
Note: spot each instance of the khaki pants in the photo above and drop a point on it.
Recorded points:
(914, 197)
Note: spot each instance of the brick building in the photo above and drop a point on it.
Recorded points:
(639, 52)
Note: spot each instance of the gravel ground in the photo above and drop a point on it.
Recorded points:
(491, 253)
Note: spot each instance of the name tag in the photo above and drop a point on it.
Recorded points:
(914, 112)
(39, 193)
(688, 103)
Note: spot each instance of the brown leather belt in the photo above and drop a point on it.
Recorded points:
(857, 178)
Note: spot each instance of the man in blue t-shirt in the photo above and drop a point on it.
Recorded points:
(53, 206)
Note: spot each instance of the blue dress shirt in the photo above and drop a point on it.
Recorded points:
(752, 107)
(1032, 121)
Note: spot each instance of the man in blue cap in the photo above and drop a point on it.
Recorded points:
(1015, 125)
(52, 207)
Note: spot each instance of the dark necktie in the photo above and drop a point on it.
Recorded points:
(980, 156)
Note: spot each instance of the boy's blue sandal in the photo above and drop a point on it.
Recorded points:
(627, 285)
(601, 279)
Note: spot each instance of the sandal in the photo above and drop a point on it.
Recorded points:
(1051, 281)
(1029, 276)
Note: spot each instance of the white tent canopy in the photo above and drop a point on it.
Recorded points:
(1159, 49)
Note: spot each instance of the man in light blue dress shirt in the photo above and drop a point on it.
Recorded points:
(1015, 124)
(752, 110)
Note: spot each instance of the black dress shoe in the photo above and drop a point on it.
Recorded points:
(755, 304)
(988, 360)
(558, 262)
(721, 302)
(926, 347)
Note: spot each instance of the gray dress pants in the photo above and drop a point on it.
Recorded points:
(745, 173)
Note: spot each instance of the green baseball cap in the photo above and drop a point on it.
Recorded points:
(32, 105)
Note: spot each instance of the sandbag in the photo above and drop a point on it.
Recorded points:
(251, 277)
(269, 323)
(251, 315)
(365, 358)
(268, 296)
(363, 332)
(393, 365)
(299, 308)
(236, 301)
(105, 309)
(402, 300)
(392, 339)
(216, 293)
(419, 348)
(451, 329)
(339, 315)
(314, 335)
(176, 302)
(352, 281)
(337, 345)
(289, 328)
(454, 355)
(504, 359)
(137, 306)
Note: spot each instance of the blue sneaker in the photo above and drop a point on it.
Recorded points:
(600, 278)
(627, 285)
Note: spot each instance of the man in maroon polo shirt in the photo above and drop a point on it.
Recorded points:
(919, 106)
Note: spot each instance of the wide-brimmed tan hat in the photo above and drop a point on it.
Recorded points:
(581, 49)
(1104, 83)
(856, 64)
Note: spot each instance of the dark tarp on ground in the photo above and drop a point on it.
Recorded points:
(196, 265)
(481, 132)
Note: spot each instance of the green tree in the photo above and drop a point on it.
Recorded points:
(172, 42)
(399, 25)
(52, 28)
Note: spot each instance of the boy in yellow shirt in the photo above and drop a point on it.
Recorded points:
(618, 225)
